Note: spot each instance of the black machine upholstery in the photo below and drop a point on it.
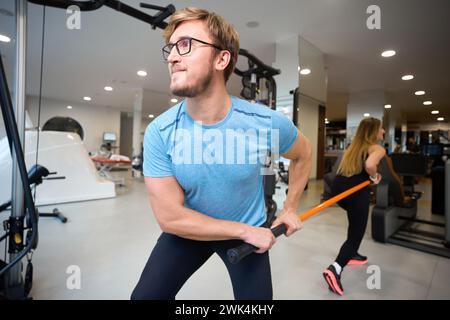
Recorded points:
(390, 204)
(328, 178)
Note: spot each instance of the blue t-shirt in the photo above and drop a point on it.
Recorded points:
(220, 167)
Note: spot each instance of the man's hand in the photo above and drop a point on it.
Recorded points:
(262, 238)
(291, 220)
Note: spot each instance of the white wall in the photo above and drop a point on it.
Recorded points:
(313, 91)
(286, 54)
(371, 102)
(314, 84)
(94, 119)
(308, 117)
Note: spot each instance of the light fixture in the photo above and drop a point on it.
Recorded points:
(440, 119)
(387, 106)
(87, 98)
(298, 68)
(419, 93)
(305, 71)
(4, 38)
(69, 107)
(142, 73)
(435, 112)
(107, 88)
(427, 103)
(151, 116)
(408, 77)
(388, 53)
(252, 24)
(174, 100)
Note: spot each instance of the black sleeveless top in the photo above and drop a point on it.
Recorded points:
(342, 183)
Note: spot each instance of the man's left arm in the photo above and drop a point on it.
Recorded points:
(299, 169)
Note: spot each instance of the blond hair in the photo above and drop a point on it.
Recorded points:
(355, 155)
(223, 34)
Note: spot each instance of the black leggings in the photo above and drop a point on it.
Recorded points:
(174, 259)
(357, 207)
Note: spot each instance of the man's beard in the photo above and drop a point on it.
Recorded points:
(198, 88)
(193, 91)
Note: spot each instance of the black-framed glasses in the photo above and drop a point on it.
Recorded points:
(183, 46)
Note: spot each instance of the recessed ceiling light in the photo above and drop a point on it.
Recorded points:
(142, 73)
(174, 100)
(366, 115)
(419, 93)
(107, 88)
(87, 98)
(4, 38)
(69, 107)
(305, 71)
(408, 77)
(252, 24)
(440, 119)
(427, 103)
(387, 106)
(151, 116)
(388, 53)
(435, 112)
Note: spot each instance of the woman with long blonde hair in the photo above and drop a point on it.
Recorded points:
(359, 163)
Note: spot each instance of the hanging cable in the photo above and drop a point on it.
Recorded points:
(40, 92)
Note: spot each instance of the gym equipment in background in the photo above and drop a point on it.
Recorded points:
(260, 86)
(65, 153)
(156, 21)
(398, 223)
(13, 286)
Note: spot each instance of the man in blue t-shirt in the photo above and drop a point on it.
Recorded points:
(204, 165)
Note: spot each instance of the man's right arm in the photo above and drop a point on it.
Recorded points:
(167, 201)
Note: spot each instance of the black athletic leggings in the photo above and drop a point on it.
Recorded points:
(357, 207)
(174, 259)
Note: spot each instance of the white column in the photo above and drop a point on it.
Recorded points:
(370, 102)
(286, 59)
(313, 92)
(137, 120)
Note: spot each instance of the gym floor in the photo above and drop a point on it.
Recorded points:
(110, 240)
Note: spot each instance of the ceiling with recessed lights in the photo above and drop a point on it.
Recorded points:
(110, 48)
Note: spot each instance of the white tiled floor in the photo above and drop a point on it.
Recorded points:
(110, 240)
